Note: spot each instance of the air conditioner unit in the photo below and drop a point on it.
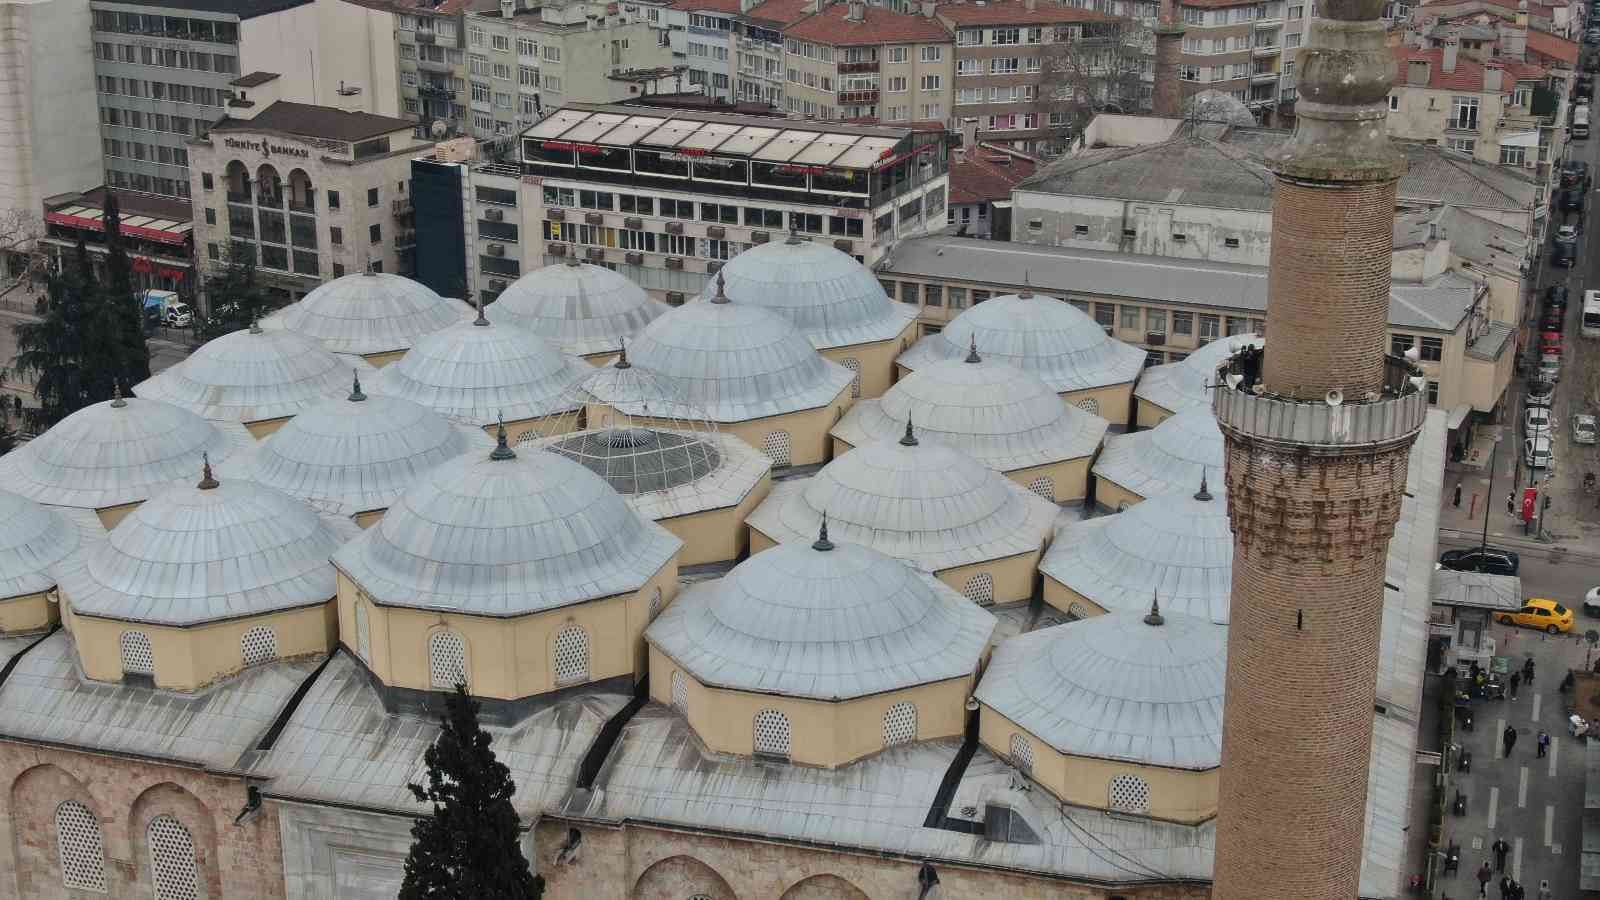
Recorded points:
(1156, 338)
(1110, 331)
(494, 215)
(497, 250)
(496, 285)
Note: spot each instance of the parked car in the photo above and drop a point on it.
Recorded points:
(1552, 320)
(1488, 560)
(1565, 254)
(1540, 393)
(1591, 602)
(1537, 452)
(1576, 172)
(1571, 199)
(1556, 296)
(1583, 429)
(1550, 342)
(1549, 370)
(1537, 420)
(1537, 612)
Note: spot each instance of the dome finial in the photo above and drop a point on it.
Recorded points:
(355, 387)
(480, 320)
(1154, 618)
(574, 261)
(910, 437)
(794, 236)
(1027, 284)
(255, 322)
(622, 360)
(502, 450)
(207, 480)
(972, 349)
(822, 542)
(722, 290)
(1203, 493)
(116, 395)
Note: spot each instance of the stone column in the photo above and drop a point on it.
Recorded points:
(1167, 99)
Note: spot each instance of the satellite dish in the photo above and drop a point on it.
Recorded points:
(438, 129)
(1234, 379)
(1413, 353)
(972, 702)
(1420, 383)
(1334, 397)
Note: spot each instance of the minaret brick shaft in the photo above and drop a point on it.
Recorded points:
(1167, 96)
(1318, 428)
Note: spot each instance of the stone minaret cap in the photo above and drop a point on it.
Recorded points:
(1203, 493)
(794, 237)
(622, 359)
(822, 543)
(116, 396)
(721, 295)
(355, 388)
(502, 450)
(1154, 617)
(574, 261)
(1027, 285)
(255, 323)
(207, 480)
(909, 439)
(972, 349)
(481, 319)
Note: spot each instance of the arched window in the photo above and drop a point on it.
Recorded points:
(1130, 793)
(854, 365)
(900, 724)
(363, 633)
(1044, 486)
(776, 446)
(1089, 405)
(83, 857)
(772, 733)
(655, 604)
(447, 660)
(680, 693)
(172, 866)
(1022, 753)
(572, 655)
(259, 645)
(136, 656)
(980, 589)
(1076, 611)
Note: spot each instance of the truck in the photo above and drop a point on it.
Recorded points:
(165, 308)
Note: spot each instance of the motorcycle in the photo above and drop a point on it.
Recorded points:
(1464, 760)
(1464, 715)
(1452, 858)
(1459, 807)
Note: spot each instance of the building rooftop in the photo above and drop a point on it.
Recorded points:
(33, 540)
(984, 174)
(308, 120)
(1187, 383)
(1169, 458)
(583, 309)
(782, 12)
(1017, 12)
(877, 25)
(1553, 46)
(1441, 177)
(1187, 170)
(1468, 74)
(244, 9)
(1475, 590)
(368, 313)
(254, 79)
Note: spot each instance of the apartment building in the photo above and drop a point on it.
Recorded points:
(157, 235)
(1236, 47)
(852, 61)
(702, 36)
(430, 43)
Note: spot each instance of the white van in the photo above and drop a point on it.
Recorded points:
(1580, 122)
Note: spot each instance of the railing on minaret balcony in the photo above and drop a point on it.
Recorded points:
(1244, 406)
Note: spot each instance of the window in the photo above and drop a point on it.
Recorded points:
(1129, 793)
(896, 55)
(1003, 65)
(1512, 156)
(1155, 321)
(447, 660)
(932, 54)
(526, 47)
(206, 181)
(136, 656)
(372, 197)
(1463, 113)
(897, 84)
(1209, 326)
(333, 199)
(1400, 343)
(500, 42)
(680, 693)
(1044, 486)
(965, 67)
(172, 866)
(78, 839)
(1394, 102)
(1432, 349)
(552, 54)
(900, 724)
(854, 365)
(1433, 393)
(363, 633)
(1004, 36)
(1182, 323)
(933, 294)
(336, 236)
(775, 445)
(259, 645)
(931, 82)
(980, 589)
(1022, 753)
(1105, 314)
(677, 245)
(1130, 316)
(502, 71)
(375, 234)
(475, 36)
(1461, 145)
(572, 655)
(772, 733)
(909, 291)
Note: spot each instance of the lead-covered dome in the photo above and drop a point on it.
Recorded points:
(998, 414)
(823, 621)
(1117, 687)
(1168, 458)
(921, 502)
(207, 553)
(253, 375)
(372, 312)
(1182, 385)
(33, 539)
(833, 300)
(1043, 335)
(1177, 546)
(116, 452)
(583, 309)
(505, 534)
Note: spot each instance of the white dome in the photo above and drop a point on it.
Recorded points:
(368, 313)
(505, 537)
(1178, 386)
(927, 504)
(997, 414)
(1042, 335)
(1169, 458)
(580, 308)
(732, 362)
(825, 622)
(116, 452)
(834, 300)
(33, 538)
(1175, 546)
(1116, 687)
(347, 457)
(193, 555)
(476, 373)
(253, 375)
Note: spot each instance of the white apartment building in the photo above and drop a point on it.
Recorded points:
(431, 47)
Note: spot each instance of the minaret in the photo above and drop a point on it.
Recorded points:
(1318, 428)
(1167, 96)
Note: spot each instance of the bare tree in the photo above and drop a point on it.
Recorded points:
(20, 250)
(1090, 68)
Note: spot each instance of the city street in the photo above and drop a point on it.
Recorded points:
(163, 352)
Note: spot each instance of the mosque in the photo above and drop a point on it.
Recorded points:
(763, 596)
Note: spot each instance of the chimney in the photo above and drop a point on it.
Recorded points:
(969, 136)
(928, 8)
(1522, 15)
(1417, 72)
(1452, 47)
(1513, 42)
(508, 8)
(1167, 96)
(1493, 78)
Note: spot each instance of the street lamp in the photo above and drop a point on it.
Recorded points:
(1494, 453)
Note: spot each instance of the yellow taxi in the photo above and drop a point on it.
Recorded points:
(1537, 612)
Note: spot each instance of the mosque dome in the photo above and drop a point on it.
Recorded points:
(1042, 335)
(505, 534)
(116, 452)
(367, 313)
(251, 376)
(475, 372)
(1168, 458)
(823, 621)
(1117, 687)
(206, 553)
(833, 300)
(1212, 105)
(33, 539)
(1178, 386)
(358, 453)
(921, 502)
(581, 308)
(732, 362)
(1177, 546)
(996, 413)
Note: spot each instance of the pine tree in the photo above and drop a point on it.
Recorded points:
(467, 848)
(124, 314)
(235, 297)
(53, 348)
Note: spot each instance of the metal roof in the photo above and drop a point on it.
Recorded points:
(1168, 458)
(253, 375)
(506, 537)
(1186, 383)
(368, 313)
(582, 309)
(1038, 334)
(33, 539)
(731, 362)
(477, 372)
(835, 300)
(1117, 687)
(998, 414)
(926, 504)
(823, 621)
(1392, 769)
(193, 555)
(1479, 591)
(1185, 170)
(750, 136)
(117, 452)
(1408, 575)
(347, 457)
(1439, 303)
(1174, 546)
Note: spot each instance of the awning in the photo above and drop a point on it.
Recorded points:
(1457, 416)
(1524, 139)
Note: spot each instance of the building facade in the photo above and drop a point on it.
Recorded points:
(1237, 47)
(431, 53)
(46, 105)
(157, 232)
(854, 61)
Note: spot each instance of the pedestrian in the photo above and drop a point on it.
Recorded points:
(1544, 743)
(1484, 874)
(1518, 892)
(1510, 739)
(1501, 849)
(1527, 671)
(1544, 891)
(1511, 503)
(1505, 887)
(1516, 679)
(1457, 501)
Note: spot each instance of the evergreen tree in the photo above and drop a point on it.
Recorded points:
(235, 297)
(467, 848)
(124, 313)
(52, 349)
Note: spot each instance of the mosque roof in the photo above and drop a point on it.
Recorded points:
(33, 539)
(1167, 458)
(823, 621)
(998, 414)
(1117, 687)
(253, 375)
(1043, 335)
(834, 300)
(581, 308)
(370, 312)
(1178, 386)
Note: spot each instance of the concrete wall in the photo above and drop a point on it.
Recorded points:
(316, 47)
(1205, 230)
(716, 535)
(875, 361)
(29, 612)
(49, 121)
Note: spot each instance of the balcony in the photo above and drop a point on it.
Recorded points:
(852, 68)
(1266, 49)
(1263, 77)
(857, 98)
(434, 65)
(435, 91)
(405, 240)
(426, 37)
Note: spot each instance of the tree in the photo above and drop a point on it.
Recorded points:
(1092, 67)
(234, 297)
(19, 243)
(467, 848)
(123, 309)
(52, 349)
